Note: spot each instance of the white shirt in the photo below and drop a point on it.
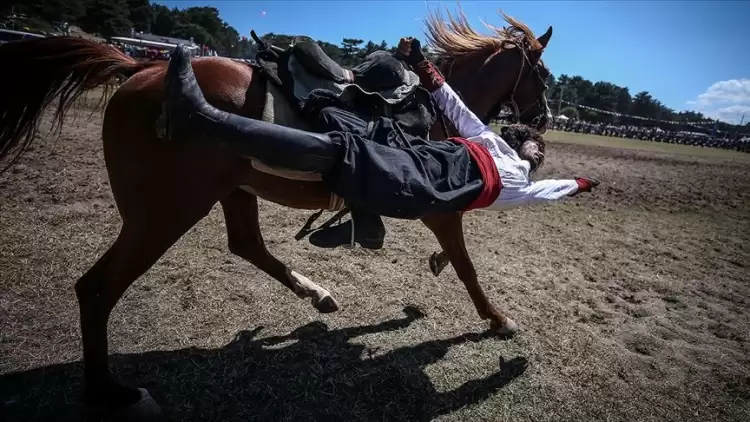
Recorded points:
(518, 189)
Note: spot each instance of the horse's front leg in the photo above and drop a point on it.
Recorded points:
(246, 241)
(449, 232)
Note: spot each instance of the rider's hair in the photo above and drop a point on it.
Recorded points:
(516, 135)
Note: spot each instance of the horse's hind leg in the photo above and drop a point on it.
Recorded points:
(136, 249)
(246, 241)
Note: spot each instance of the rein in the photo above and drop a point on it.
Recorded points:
(540, 101)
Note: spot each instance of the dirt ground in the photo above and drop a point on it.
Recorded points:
(633, 304)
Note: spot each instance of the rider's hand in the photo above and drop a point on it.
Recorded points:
(415, 54)
(410, 50)
(404, 47)
(585, 184)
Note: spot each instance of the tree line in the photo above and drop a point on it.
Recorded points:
(602, 95)
(204, 25)
(108, 18)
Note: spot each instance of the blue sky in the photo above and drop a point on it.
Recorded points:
(689, 54)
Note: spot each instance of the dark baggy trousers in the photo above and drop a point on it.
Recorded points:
(385, 172)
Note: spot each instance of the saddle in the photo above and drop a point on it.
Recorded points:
(304, 56)
(380, 86)
(313, 60)
(302, 79)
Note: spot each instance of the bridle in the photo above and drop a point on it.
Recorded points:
(516, 112)
(541, 101)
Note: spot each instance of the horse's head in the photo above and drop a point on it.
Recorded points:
(493, 72)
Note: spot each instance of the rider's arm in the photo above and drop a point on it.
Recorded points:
(463, 119)
(534, 193)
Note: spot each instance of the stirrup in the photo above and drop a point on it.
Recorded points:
(307, 228)
(351, 244)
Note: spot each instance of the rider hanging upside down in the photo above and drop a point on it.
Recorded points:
(386, 173)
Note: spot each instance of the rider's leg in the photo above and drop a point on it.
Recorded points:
(317, 62)
(368, 228)
(189, 116)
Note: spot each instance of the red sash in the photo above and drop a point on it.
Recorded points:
(490, 175)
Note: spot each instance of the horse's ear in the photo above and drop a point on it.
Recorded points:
(544, 39)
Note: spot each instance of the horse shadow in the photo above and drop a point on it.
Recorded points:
(313, 373)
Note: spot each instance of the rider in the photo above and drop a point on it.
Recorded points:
(384, 173)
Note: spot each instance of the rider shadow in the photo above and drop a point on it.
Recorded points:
(309, 374)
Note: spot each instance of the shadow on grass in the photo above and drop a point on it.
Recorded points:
(310, 374)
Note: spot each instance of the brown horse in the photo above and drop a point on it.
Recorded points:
(163, 188)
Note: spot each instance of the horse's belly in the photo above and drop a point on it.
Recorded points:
(311, 195)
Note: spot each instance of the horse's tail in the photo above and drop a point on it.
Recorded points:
(39, 71)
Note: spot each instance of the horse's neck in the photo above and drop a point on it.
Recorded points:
(438, 130)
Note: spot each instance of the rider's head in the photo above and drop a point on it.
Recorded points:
(527, 142)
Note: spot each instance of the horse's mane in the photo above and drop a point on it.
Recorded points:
(455, 39)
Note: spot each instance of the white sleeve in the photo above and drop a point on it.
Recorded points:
(463, 119)
(534, 193)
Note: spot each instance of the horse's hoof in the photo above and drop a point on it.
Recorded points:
(146, 410)
(507, 330)
(437, 263)
(326, 305)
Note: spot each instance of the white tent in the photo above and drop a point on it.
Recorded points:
(154, 44)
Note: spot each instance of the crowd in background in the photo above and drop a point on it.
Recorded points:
(649, 133)
(138, 52)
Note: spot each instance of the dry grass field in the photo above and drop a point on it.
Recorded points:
(634, 302)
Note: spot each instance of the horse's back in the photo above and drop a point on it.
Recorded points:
(227, 84)
(134, 119)
(134, 132)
